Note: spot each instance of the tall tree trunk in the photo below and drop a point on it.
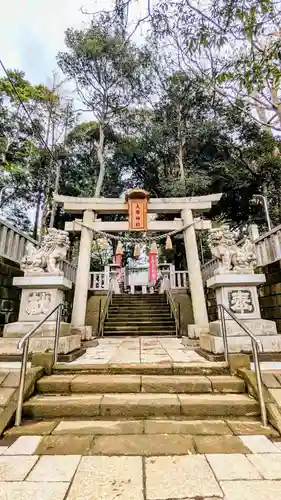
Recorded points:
(180, 147)
(100, 154)
(37, 214)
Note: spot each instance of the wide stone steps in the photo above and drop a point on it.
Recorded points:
(168, 368)
(139, 333)
(139, 315)
(140, 383)
(141, 405)
(137, 326)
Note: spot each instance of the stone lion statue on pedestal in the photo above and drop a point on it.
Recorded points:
(231, 257)
(47, 258)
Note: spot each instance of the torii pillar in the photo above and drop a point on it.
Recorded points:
(200, 315)
(82, 276)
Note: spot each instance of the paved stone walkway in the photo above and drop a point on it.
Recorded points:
(139, 350)
(25, 474)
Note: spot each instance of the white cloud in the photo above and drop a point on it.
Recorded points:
(32, 32)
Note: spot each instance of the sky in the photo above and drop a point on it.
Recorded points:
(32, 32)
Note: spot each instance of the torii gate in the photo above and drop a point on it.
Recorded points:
(92, 207)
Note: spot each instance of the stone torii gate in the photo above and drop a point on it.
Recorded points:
(90, 208)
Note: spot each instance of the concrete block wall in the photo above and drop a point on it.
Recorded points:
(270, 293)
(9, 295)
(211, 304)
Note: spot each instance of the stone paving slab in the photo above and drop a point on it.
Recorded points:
(106, 383)
(175, 384)
(34, 491)
(64, 445)
(12, 379)
(245, 427)
(96, 427)
(54, 468)
(199, 427)
(219, 444)
(269, 465)
(251, 490)
(16, 468)
(259, 444)
(139, 350)
(233, 466)
(139, 405)
(41, 428)
(227, 384)
(6, 394)
(108, 478)
(180, 478)
(142, 445)
(24, 445)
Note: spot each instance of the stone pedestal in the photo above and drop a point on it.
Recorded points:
(238, 293)
(41, 294)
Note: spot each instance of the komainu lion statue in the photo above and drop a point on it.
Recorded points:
(231, 257)
(46, 259)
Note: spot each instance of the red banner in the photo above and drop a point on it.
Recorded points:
(153, 266)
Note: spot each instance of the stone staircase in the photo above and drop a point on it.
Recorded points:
(134, 409)
(139, 315)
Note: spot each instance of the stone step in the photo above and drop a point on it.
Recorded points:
(140, 333)
(140, 296)
(168, 368)
(137, 327)
(139, 308)
(141, 322)
(140, 383)
(139, 317)
(211, 427)
(141, 405)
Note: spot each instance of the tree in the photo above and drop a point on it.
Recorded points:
(109, 76)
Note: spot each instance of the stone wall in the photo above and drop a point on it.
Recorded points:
(211, 304)
(95, 302)
(9, 295)
(270, 293)
(183, 299)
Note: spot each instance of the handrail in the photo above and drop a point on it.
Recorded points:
(256, 346)
(24, 343)
(104, 313)
(172, 304)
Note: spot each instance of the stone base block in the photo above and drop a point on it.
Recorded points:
(194, 331)
(8, 346)
(84, 331)
(19, 329)
(270, 343)
(260, 327)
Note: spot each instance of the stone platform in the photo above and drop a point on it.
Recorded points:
(67, 344)
(59, 467)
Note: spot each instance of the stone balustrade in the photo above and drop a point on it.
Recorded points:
(268, 250)
(13, 243)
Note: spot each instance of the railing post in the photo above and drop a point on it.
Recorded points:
(179, 320)
(98, 329)
(22, 382)
(57, 334)
(224, 334)
(259, 384)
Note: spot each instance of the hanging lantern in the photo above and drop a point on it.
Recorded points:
(154, 248)
(119, 249)
(169, 244)
(137, 251)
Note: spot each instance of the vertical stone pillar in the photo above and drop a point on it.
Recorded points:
(195, 278)
(82, 276)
